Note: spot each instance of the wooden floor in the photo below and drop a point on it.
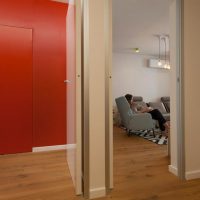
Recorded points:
(140, 173)
(35, 176)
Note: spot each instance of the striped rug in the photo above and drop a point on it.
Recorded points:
(158, 139)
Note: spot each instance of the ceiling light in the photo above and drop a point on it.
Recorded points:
(165, 63)
(159, 63)
(136, 50)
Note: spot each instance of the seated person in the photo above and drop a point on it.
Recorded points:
(155, 113)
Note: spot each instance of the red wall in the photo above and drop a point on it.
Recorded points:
(48, 21)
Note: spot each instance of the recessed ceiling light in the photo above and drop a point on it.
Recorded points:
(136, 50)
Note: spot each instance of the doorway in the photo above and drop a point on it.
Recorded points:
(176, 159)
(141, 57)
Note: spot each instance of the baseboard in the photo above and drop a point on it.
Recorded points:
(192, 175)
(71, 146)
(97, 193)
(188, 175)
(61, 1)
(173, 170)
(53, 148)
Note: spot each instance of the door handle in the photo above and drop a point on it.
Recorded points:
(67, 81)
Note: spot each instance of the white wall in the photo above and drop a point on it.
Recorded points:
(131, 75)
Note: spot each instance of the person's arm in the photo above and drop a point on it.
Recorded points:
(140, 109)
(145, 109)
(134, 108)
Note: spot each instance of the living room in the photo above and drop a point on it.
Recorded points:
(141, 53)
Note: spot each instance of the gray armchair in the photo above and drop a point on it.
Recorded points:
(133, 121)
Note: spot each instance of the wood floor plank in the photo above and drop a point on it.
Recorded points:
(35, 176)
(140, 173)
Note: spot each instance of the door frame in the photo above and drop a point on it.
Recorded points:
(177, 165)
(180, 91)
(178, 131)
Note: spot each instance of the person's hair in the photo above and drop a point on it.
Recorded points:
(129, 97)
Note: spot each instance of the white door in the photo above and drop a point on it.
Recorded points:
(73, 83)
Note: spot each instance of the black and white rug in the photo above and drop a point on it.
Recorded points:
(158, 138)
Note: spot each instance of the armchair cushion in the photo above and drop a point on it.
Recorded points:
(138, 100)
(141, 121)
(159, 106)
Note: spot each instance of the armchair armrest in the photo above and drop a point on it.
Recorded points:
(140, 121)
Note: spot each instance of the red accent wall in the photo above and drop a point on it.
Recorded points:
(48, 21)
(16, 99)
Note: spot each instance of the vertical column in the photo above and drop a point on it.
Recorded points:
(191, 86)
(95, 61)
(97, 97)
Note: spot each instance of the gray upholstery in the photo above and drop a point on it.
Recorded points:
(133, 121)
(166, 102)
(166, 116)
(161, 108)
(164, 99)
(138, 100)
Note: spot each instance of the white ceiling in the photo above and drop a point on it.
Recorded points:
(136, 22)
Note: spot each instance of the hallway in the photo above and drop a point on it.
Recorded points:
(35, 176)
(140, 173)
